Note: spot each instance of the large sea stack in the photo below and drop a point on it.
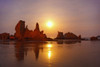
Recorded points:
(20, 30)
(23, 33)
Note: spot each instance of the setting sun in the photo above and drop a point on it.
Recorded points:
(49, 23)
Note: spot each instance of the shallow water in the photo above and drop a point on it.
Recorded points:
(50, 54)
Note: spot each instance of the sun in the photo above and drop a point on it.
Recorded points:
(49, 24)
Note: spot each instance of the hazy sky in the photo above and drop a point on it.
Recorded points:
(77, 16)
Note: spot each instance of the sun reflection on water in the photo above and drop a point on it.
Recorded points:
(49, 50)
(49, 45)
(49, 54)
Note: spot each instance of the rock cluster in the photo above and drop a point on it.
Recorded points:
(23, 33)
(4, 36)
(68, 35)
(93, 38)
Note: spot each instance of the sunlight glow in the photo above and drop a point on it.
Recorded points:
(49, 24)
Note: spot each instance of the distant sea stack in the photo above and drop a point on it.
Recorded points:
(60, 35)
(93, 38)
(68, 35)
(23, 33)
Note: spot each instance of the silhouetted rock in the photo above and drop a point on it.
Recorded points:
(93, 38)
(20, 30)
(60, 35)
(38, 35)
(79, 37)
(37, 27)
(68, 35)
(4, 36)
(23, 33)
(28, 33)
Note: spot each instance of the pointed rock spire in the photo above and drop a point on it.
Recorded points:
(37, 27)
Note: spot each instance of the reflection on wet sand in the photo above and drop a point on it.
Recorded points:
(22, 48)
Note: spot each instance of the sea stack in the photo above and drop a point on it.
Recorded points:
(20, 30)
(37, 27)
(23, 33)
(68, 35)
(60, 35)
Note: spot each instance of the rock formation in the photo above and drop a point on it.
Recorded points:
(80, 37)
(4, 36)
(93, 38)
(20, 30)
(37, 27)
(68, 35)
(23, 33)
(60, 35)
